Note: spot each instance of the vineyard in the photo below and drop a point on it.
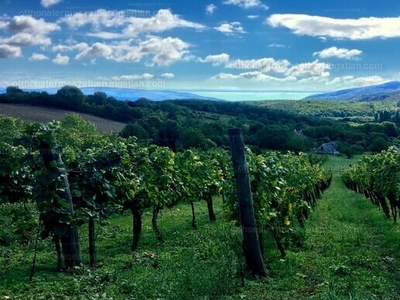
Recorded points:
(87, 215)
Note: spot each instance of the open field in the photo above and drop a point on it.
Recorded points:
(350, 252)
(46, 114)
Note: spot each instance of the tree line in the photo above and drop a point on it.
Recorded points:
(203, 124)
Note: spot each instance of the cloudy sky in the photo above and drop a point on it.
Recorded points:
(235, 45)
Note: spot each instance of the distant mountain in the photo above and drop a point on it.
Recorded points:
(380, 92)
(131, 94)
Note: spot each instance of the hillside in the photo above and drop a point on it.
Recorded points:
(46, 114)
(183, 124)
(130, 94)
(388, 91)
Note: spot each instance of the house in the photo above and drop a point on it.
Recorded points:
(328, 148)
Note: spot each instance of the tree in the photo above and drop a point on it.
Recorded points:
(13, 90)
(135, 129)
(378, 144)
(70, 97)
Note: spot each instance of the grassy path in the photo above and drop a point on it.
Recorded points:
(351, 251)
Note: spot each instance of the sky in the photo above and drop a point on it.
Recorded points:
(282, 46)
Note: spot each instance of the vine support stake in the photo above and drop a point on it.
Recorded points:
(251, 246)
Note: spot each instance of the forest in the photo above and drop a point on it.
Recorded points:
(183, 124)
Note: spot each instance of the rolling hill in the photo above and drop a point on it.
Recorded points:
(47, 114)
(131, 94)
(388, 91)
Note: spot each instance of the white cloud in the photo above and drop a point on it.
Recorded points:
(7, 51)
(247, 3)
(252, 16)
(61, 59)
(339, 53)
(230, 28)
(210, 9)
(48, 3)
(131, 22)
(97, 18)
(353, 29)
(63, 48)
(286, 72)
(38, 56)
(215, 59)
(266, 64)
(163, 51)
(145, 76)
(254, 76)
(26, 39)
(29, 24)
(96, 50)
(106, 35)
(167, 75)
(274, 45)
(309, 69)
(27, 31)
(350, 80)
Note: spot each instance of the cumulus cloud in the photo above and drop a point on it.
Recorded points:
(27, 31)
(38, 56)
(339, 53)
(30, 25)
(252, 16)
(7, 51)
(96, 50)
(352, 29)
(266, 64)
(48, 3)
(63, 48)
(167, 75)
(144, 76)
(281, 70)
(309, 69)
(215, 59)
(131, 23)
(25, 39)
(247, 3)
(210, 9)
(61, 59)
(230, 28)
(163, 51)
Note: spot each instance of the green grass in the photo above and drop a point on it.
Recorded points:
(351, 252)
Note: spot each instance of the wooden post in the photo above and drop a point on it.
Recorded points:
(251, 246)
(69, 241)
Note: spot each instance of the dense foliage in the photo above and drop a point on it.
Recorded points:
(285, 188)
(377, 177)
(183, 124)
(80, 176)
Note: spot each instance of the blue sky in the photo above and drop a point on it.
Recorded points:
(217, 45)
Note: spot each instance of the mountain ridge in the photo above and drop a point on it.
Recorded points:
(379, 92)
(130, 94)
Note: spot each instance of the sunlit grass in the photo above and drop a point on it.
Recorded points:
(351, 251)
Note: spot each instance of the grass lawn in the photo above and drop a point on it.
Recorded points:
(351, 251)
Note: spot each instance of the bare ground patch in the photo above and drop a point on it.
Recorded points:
(46, 114)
